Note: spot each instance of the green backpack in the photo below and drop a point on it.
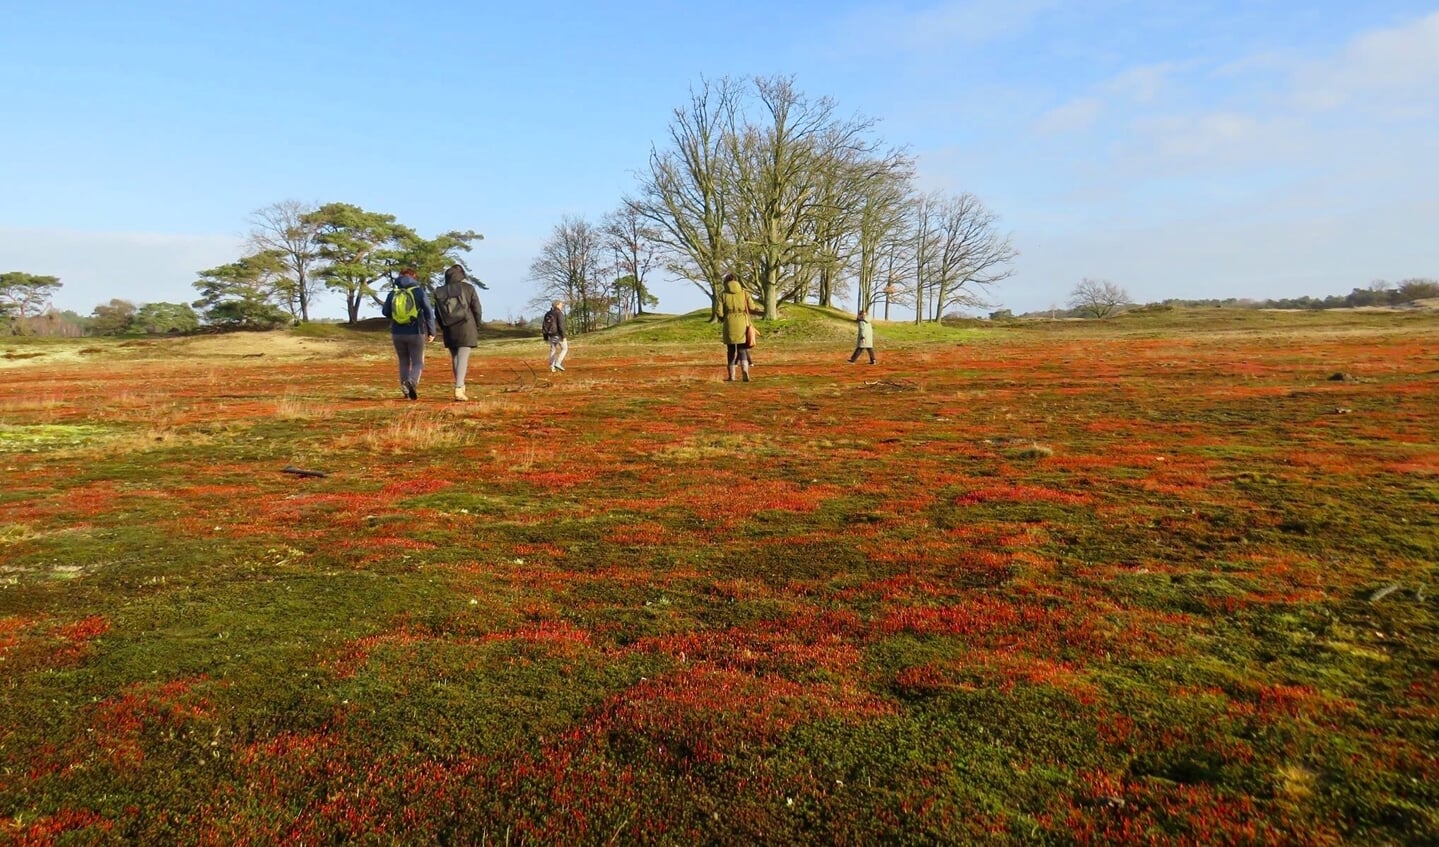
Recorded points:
(403, 307)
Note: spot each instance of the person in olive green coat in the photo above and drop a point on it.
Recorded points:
(457, 311)
(735, 309)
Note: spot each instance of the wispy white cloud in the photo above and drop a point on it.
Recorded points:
(1146, 83)
(1287, 172)
(1288, 110)
(1394, 70)
(887, 28)
(1075, 116)
(1143, 86)
(1176, 142)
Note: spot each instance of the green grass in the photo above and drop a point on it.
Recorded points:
(635, 604)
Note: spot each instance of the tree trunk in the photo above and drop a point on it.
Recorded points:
(826, 287)
(304, 300)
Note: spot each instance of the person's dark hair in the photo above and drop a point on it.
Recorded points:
(455, 273)
(729, 276)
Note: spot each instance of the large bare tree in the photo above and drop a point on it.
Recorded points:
(682, 194)
(1098, 298)
(971, 254)
(290, 231)
(794, 173)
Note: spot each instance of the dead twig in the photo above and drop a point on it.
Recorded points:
(291, 469)
(520, 384)
(1383, 592)
(891, 385)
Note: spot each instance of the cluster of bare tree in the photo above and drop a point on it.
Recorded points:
(601, 270)
(806, 204)
(296, 249)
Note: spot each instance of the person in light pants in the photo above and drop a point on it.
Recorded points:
(457, 310)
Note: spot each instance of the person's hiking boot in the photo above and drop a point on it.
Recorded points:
(729, 374)
(745, 374)
(460, 396)
(410, 391)
(560, 368)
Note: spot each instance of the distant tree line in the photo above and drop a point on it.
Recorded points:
(1379, 293)
(1101, 298)
(808, 205)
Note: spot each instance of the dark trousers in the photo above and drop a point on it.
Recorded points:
(857, 351)
(736, 354)
(411, 352)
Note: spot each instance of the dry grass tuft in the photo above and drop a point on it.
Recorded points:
(295, 408)
(1031, 452)
(14, 533)
(416, 430)
(708, 447)
(1294, 781)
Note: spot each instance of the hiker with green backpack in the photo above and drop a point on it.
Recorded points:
(412, 326)
(457, 308)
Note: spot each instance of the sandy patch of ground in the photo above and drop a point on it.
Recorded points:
(279, 344)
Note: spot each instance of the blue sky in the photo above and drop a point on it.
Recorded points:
(1181, 149)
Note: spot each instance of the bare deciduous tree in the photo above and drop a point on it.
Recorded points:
(1098, 298)
(631, 239)
(971, 254)
(290, 230)
(683, 195)
(922, 250)
(799, 156)
(883, 193)
(570, 268)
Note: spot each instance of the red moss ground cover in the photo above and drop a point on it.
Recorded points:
(635, 604)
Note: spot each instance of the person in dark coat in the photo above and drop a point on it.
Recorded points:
(552, 326)
(457, 308)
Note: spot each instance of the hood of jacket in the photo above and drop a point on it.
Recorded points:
(455, 274)
(732, 287)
